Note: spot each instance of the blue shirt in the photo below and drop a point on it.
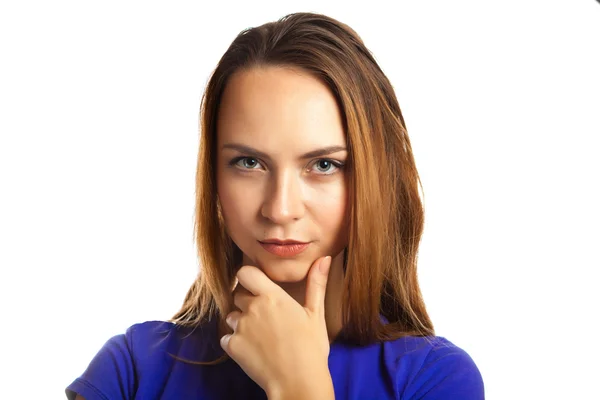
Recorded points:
(135, 365)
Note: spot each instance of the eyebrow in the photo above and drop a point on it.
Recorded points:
(256, 153)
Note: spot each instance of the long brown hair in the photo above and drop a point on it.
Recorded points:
(386, 213)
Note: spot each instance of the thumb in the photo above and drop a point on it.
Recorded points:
(317, 285)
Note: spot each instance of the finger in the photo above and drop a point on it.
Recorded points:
(230, 343)
(242, 290)
(253, 279)
(232, 319)
(242, 298)
(316, 285)
(234, 346)
(225, 343)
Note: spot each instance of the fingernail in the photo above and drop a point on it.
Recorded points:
(225, 340)
(325, 264)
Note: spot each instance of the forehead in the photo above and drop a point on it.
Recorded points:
(272, 104)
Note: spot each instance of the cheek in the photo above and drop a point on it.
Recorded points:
(331, 212)
(238, 203)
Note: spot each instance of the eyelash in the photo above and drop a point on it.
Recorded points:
(338, 165)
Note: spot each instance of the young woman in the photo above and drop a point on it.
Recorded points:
(308, 222)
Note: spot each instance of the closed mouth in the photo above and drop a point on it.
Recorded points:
(281, 242)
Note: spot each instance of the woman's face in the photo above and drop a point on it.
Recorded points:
(269, 186)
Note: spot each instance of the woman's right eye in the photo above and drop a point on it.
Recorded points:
(245, 162)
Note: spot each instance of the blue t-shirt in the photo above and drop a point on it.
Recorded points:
(135, 365)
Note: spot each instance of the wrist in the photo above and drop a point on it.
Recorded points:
(321, 388)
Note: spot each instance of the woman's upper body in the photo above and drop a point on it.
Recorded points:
(137, 365)
(302, 141)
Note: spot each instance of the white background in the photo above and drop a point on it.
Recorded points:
(98, 122)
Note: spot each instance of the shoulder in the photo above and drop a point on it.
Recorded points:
(155, 342)
(112, 371)
(148, 335)
(433, 368)
(142, 351)
(140, 341)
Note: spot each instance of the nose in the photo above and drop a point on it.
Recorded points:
(284, 201)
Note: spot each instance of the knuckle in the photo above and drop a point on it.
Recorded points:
(234, 344)
(244, 269)
(272, 300)
(240, 324)
(320, 283)
(253, 308)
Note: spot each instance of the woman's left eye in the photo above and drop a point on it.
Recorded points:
(325, 165)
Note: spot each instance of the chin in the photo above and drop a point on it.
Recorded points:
(288, 271)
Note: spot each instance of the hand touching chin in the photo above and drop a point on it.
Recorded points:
(286, 271)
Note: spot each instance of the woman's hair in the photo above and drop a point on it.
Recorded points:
(385, 210)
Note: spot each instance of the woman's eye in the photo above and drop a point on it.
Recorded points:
(327, 166)
(322, 166)
(246, 162)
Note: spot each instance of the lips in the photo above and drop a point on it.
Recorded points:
(284, 248)
(282, 242)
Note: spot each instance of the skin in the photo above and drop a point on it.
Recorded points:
(283, 113)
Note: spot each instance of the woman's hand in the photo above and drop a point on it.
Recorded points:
(282, 345)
